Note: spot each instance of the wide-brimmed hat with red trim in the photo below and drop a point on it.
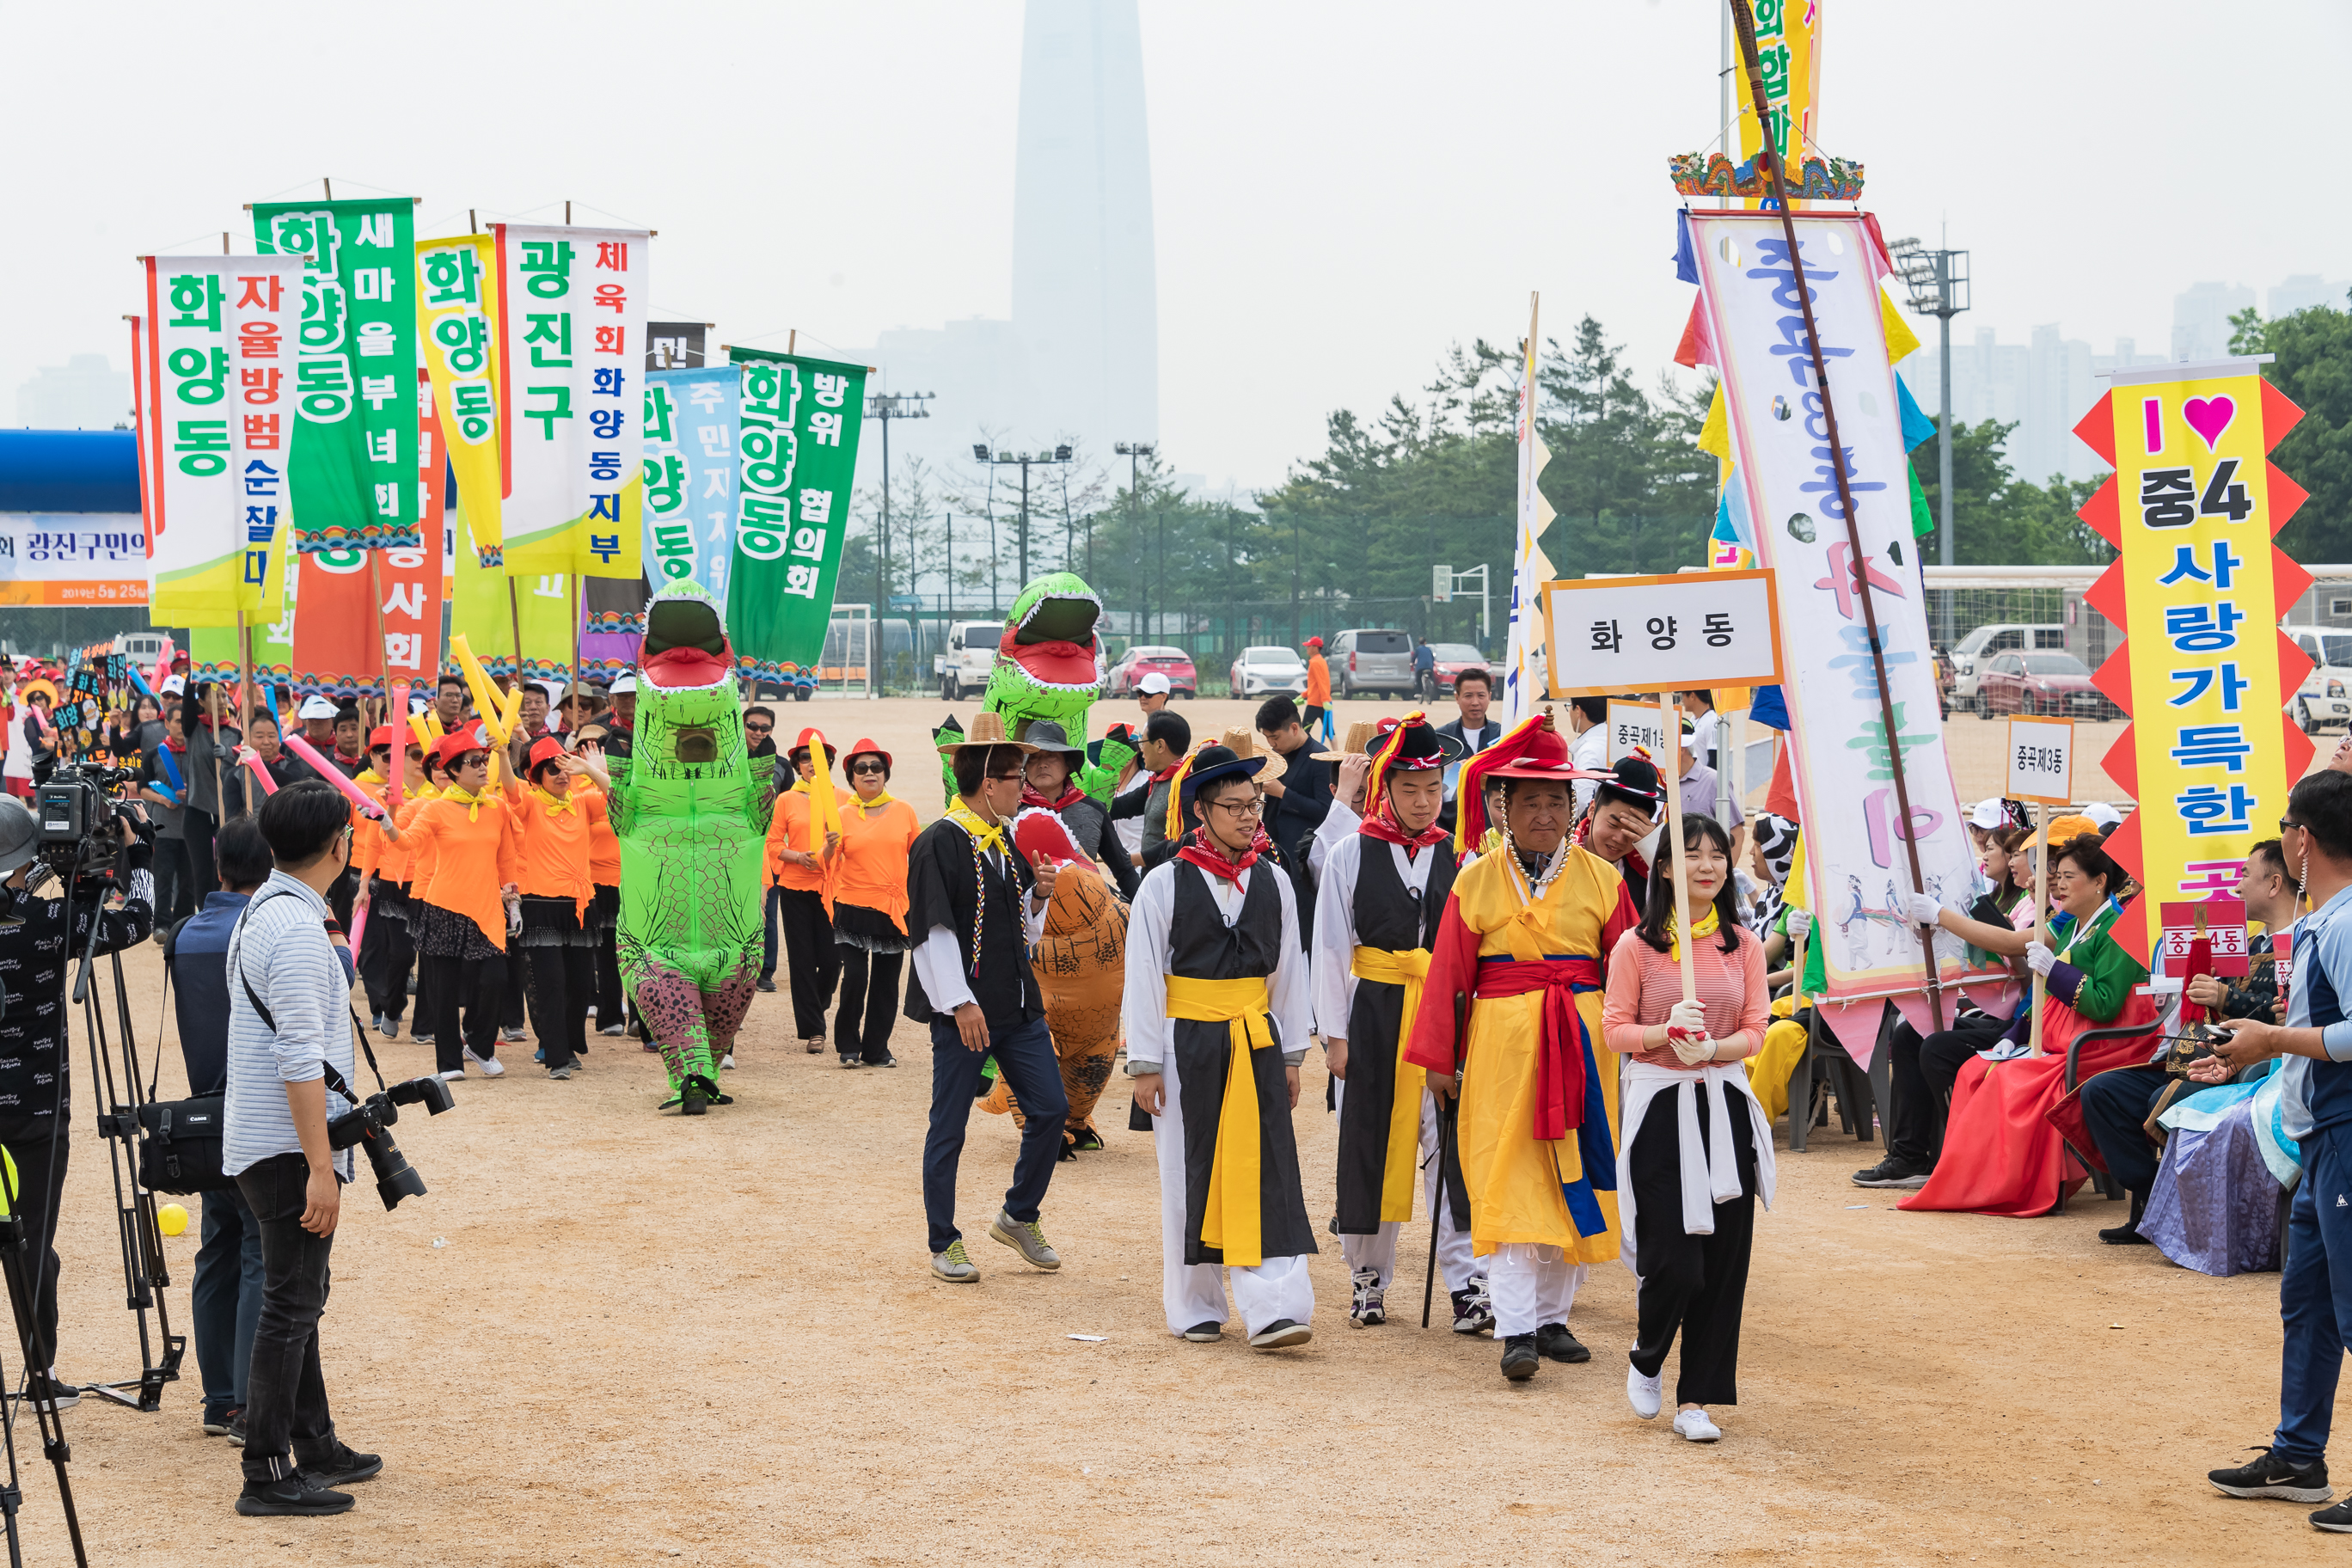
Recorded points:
(865, 746)
(1409, 745)
(1535, 750)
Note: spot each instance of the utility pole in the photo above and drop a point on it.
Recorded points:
(1061, 454)
(1938, 282)
(886, 406)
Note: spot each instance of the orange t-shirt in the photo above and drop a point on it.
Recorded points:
(1318, 682)
(555, 838)
(474, 854)
(870, 868)
(372, 852)
(604, 843)
(422, 857)
(788, 830)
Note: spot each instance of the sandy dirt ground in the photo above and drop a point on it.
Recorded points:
(609, 1336)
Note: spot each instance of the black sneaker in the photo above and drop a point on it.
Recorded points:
(342, 1468)
(294, 1494)
(2270, 1476)
(43, 1389)
(2336, 1521)
(236, 1433)
(1557, 1343)
(851, 1059)
(1085, 1141)
(1894, 1173)
(1474, 1310)
(1520, 1357)
(1205, 1333)
(217, 1422)
(2126, 1234)
(764, 984)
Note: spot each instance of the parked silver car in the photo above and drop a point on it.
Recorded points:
(1369, 660)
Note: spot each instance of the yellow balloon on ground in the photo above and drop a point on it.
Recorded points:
(171, 1219)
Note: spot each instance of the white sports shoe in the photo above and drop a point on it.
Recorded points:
(726, 1062)
(491, 1067)
(455, 1074)
(1646, 1393)
(1694, 1425)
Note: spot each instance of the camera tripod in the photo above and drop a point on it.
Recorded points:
(13, 1249)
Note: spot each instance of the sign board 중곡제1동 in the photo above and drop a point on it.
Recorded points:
(1633, 724)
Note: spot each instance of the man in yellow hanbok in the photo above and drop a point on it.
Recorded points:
(1525, 934)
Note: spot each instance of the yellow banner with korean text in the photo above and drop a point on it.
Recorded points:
(458, 331)
(1789, 52)
(2198, 588)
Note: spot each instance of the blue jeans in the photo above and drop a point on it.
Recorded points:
(225, 1298)
(1025, 1057)
(2315, 1296)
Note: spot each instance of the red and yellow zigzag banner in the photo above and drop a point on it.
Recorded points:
(2198, 588)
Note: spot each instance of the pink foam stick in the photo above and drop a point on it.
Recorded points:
(358, 926)
(331, 774)
(260, 769)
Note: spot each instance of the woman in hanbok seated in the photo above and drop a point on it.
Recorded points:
(2001, 1155)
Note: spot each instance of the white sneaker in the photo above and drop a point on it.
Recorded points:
(455, 1074)
(726, 1062)
(491, 1067)
(1647, 1394)
(1694, 1425)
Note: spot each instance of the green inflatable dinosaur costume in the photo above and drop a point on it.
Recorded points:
(691, 812)
(1049, 666)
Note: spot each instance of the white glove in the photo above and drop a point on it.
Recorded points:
(1924, 910)
(1690, 1017)
(1691, 1049)
(1800, 924)
(2038, 958)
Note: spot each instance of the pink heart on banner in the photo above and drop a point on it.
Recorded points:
(2208, 417)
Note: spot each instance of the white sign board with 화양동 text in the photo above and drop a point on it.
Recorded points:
(1633, 724)
(2041, 761)
(1682, 632)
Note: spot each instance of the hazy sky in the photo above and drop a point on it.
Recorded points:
(1341, 189)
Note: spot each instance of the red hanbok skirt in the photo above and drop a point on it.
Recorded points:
(2001, 1156)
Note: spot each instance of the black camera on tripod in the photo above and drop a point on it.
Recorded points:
(75, 815)
(368, 1126)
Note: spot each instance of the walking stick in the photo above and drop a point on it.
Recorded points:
(1444, 1124)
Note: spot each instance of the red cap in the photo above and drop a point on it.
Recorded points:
(457, 742)
(812, 732)
(864, 747)
(544, 751)
(381, 736)
(1313, 642)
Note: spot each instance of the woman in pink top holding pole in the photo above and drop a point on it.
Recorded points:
(1697, 1149)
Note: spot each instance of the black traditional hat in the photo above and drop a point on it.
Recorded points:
(1635, 785)
(1210, 764)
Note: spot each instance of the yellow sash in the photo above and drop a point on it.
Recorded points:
(1235, 1183)
(1406, 968)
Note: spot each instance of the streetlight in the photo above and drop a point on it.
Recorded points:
(1135, 452)
(1938, 282)
(1061, 454)
(886, 406)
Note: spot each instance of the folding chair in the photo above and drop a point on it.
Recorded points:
(2168, 1010)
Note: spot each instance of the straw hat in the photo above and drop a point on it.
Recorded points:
(1244, 745)
(1359, 736)
(987, 730)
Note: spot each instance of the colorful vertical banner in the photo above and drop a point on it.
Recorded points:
(496, 610)
(215, 432)
(1525, 668)
(1789, 51)
(347, 594)
(355, 369)
(797, 447)
(571, 338)
(691, 419)
(456, 316)
(1841, 757)
(2198, 589)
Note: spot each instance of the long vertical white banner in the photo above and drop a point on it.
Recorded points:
(1857, 866)
(217, 430)
(571, 322)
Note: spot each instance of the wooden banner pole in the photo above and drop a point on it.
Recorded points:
(1743, 18)
(1671, 776)
(2041, 917)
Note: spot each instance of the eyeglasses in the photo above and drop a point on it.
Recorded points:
(1008, 778)
(759, 728)
(2287, 822)
(869, 768)
(1241, 808)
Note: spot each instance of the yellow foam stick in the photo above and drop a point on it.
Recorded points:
(510, 714)
(486, 696)
(422, 726)
(825, 810)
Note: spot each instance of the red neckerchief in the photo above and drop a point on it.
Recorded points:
(1164, 774)
(1382, 824)
(1637, 870)
(1198, 851)
(1070, 796)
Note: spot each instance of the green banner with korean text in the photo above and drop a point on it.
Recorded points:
(796, 448)
(354, 469)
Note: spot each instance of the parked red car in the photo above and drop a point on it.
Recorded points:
(2040, 682)
(1453, 658)
(1138, 662)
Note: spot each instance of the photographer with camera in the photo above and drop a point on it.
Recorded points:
(37, 953)
(290, 1036)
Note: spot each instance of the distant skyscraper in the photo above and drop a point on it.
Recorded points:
(85, 393)
(1084, 296)
(2301, 293)
(2200, 319)
(2043, 389)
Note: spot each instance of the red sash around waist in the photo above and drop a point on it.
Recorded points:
(1563, 1043)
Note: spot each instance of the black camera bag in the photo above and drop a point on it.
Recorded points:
(180, 1145)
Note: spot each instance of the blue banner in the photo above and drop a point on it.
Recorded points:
(691, 476)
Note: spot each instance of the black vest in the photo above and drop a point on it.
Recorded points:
(1003, 984)
(1202, 946)
(1389, 915)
